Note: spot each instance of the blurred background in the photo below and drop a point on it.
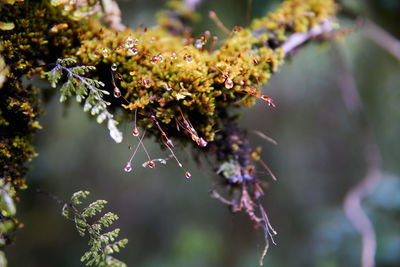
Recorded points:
(171, 221)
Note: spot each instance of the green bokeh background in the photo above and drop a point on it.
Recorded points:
(171, 221)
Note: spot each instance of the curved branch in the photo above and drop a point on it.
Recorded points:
(300, 38)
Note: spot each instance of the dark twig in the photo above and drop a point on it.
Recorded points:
(352, 202)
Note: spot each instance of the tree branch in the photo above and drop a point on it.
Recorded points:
(299, 38)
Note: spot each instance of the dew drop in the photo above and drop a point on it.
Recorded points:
(160, 58)
(114, 67)
(129, 43)
(128, 167)
(169, 142)
(135, 132)
(202, 142)
(228, 83)
(106, 53)
(151, 164)
(154, 60)
(188, 175)
(173, 56)
(132, 52)
(188, 58)
(117, 92)
(96, 54)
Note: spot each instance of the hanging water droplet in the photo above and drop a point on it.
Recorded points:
(173, 55)
(132, 52)
(106, 53)
(188, 175)
(228, 83)
(135, 132)
(202, 142)
(114, 67)
(129, 43)
(151, 164)
(154, 60)
(169, 142)
(128, 167)
(188, 58)
(117, 92)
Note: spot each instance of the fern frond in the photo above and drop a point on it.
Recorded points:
(102, 245)
(84, 88)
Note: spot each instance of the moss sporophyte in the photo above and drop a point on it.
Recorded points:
(170, 84)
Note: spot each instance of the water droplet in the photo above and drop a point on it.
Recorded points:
(128, 167)
(154, 60)
(228, 83)
(96, 54)
(206, 34)
(135, 42)
(188, 175)
(135, 132)
(129, 43)
(132, 52)
(188, 58)
(255, 61)
(167, 87)
(117, 92)
(151, 164)
(153, 39)
(173, 56)
(214, 39)
(160, 58)
(169, 142)
(202, 142)
(106, 53)
(114, 67)
(198, 44)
